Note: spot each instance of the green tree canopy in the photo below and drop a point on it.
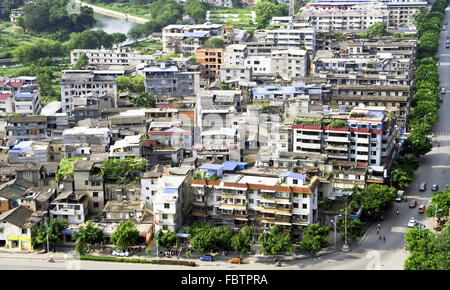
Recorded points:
(214, 42)
(275, 241)
(167, 240)
(196, 9)
(376, 198)
(265, 10)
(55, 229)
(123, 171)
(242, 241)
(440, 204)
(144, 100)
(131, 84)
(82, 62)
(354, 228)
(315, 237)
(86, 236)
(125, 235)
(377, 29)
(208, 239)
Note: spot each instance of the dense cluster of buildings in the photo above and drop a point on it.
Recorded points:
(255, 133)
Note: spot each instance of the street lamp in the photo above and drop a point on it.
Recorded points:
(47, 229)
(346, 247)
(335, 225)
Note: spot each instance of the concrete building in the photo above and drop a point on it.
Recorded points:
(85, 135)
(210, 61)
(293, 35)
(29, 151)
(365, 135)
(87, 178)
(260, 198)
(72, 206)
(172, 80)
(78, 83)
(289, 63)
(26, 128)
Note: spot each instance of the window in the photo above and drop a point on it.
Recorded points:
(295, 205)
(86, 182)
(95, 194)
(77, 207)
(79, 217)
(95, 204)
(24, 231)
(147, 188)
(304, 206)
(1, 230)
(164, 228)
(295, 181)
(167, 205)
(305, 195)
(250, 201)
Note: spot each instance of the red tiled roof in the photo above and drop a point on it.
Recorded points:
(4, 97)
(304, 126)
(15, 84)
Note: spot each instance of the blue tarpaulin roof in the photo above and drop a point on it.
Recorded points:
(24, 95)
(209, 166)
(232, 165)
(292, 175)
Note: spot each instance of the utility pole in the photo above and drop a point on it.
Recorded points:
(291, 7)
(46, 229)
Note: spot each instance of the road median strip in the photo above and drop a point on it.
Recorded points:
(141, 261)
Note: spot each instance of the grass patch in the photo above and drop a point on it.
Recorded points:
(127, 8)
(232, 11)
(139, 261)
(167, 56)
(147, 47)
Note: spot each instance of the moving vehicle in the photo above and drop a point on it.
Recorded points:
(422, 208)
(423, 186)
(207, 258)
(434, 187)
(235, 260)
(412, 204)
(120, 253)
(400, 196)
(443, 89)
(441, 99)
(447, 46)
(412, 223)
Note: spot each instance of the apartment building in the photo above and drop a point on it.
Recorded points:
(289, 63)
(187, 38)
(170, 79)
(129, 146)
(29, 151)
(87, 178)
(257, 197)
(358, 18)
(365, 135)
(165, 193)
(69, 205)
(122, 57)
(210, 61)
(78, 83)
(86, 135)
(20, 95)
(396, 99)
(26, 128)
(292, 35)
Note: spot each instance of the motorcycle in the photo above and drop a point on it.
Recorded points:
(51, 260)
(278, 264)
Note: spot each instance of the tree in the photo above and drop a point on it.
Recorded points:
(440, 204)
(41, 53)
(196, 9)
(167, 240)
(144, 100)
(418, 239)
(55, 229)
(275, 241)
(265, 10)
(82, 62)
(117, 38)
(242, 241)
(87, 236)
(135, 33)
(123, 171)
(214, 42)
(354, 228)
(207, 239)
(377, 29)
(131, 84)
(376, 198)
(315, 237)
(90, 39)
(125, 235)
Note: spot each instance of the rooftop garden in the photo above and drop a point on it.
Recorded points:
(65, 171)
(168, 56)
(123, 171)
(147, 47)
(319, 121)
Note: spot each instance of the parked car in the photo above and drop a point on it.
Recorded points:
(120, 253)
(412, 223)
(412, 204)
(207, 258)
(235, 260)
(435, 187)
(422, 208)
(423, 186)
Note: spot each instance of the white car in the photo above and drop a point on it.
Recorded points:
(412, 223)
(120, 253)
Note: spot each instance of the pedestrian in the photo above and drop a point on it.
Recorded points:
(384, 239)
(378, 231)
(379, 237)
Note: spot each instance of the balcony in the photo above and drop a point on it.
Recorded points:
(230, 206)
(362, 140)
(67, 211)
(310, 145)
(337, 139)
(337, 148)
(308, 137)
(362, 157)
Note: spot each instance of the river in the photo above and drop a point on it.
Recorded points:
(110, 25)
